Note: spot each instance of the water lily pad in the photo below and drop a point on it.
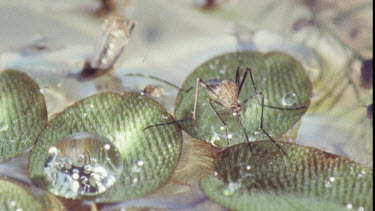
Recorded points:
(307, 173)
(281, 78)
(149, 156)
(15, 197)
(23, 113)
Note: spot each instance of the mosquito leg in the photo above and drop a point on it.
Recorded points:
(168, 123)
(261, 127)
(221, 119)
(244, 130)
(199, 82)
(238, 76)
(157, 79)
(248, 71)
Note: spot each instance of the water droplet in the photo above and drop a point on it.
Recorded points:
(219, 130)
(165, 116)
(222, 71)
(135, 180)
(248, 167)
(135, 169)
(349, 206)
(140, 163)
(361, 209)
(289, 99)
(3, 126)
(231, 188)
(82, 164)
(214, 139)
(13, 203)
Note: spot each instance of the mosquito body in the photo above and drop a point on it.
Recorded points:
(224, 93)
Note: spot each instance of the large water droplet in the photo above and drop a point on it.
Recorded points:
(289, 99)
(82, 164)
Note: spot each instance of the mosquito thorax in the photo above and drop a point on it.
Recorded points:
(227, 92)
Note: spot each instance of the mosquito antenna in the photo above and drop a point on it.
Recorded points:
(157, 79)
(261, 127)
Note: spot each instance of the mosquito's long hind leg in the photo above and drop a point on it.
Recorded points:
(244, 130)
(221, 119)
(199, 82)
(168, 123)
(261, 127)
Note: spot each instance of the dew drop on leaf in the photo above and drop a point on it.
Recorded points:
(3, 126)
(289, 99)
(82, 164)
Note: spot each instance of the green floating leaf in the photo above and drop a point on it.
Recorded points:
(307, 174)
(228, 196)
(23, 113)
(15, 198)
(280, 77)
(149, 156)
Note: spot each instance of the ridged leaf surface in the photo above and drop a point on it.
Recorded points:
(121, 119)
(280, 77)
(23, 113)
(306, 173)
(14, 197)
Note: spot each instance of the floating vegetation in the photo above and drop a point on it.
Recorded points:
(23, 113)
(307, 174)
(276, 77)
(148, 157)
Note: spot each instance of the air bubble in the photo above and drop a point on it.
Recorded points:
(82, 164)
(13, 203)
(231, 188)
(289, 99)
(3, 126)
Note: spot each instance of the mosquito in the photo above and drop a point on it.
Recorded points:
(224, 93)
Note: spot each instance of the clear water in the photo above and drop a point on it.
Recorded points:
(82, 164)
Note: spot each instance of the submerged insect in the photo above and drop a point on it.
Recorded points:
(225, 93)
